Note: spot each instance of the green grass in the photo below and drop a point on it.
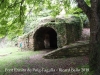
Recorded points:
(18, 58)
(14, 60)
(8, 50)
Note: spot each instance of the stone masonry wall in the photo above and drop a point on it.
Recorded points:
(59, 26)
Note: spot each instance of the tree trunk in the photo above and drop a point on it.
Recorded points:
(94, 59)
(93, 14)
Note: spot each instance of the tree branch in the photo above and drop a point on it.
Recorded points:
(82, 4)
(21, 10)
(1, 1)
(22, 2)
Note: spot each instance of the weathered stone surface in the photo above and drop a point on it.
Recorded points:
(61, 31)
(75, 49)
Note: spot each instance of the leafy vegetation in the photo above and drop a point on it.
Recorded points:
(19, 15)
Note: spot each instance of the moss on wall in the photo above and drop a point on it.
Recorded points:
(68, 30)
(73, 29)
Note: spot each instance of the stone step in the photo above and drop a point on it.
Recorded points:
(74, 49)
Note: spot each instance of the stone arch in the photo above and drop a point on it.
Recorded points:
(45, 37)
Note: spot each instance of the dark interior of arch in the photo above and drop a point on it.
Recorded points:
(40, 36)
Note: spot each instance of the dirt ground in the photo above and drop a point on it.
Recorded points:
(85, 34)
(62, 66)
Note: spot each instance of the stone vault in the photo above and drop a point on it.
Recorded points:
(52, 34)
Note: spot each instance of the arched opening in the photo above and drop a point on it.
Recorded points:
(45, 37)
